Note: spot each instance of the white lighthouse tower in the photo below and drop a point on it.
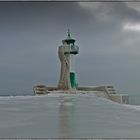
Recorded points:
(66, 51)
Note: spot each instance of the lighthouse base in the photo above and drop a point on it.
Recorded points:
(107, 92)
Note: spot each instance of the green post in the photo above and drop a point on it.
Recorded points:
(73, 80)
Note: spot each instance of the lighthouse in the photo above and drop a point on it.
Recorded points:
(68, 83)
(66, 52)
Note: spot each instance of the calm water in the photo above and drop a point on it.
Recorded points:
(134, 99)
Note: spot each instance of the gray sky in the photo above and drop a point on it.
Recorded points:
(108, 34)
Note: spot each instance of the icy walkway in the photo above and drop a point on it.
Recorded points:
(67, 116)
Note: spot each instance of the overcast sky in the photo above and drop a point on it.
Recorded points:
(107, 33)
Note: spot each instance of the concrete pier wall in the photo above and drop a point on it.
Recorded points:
(106, 91)
(120, 98)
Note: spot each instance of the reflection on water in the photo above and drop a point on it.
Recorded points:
(66, 120)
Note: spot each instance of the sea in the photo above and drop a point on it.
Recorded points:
(134, 99)
(68, 116)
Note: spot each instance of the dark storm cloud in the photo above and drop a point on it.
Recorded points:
(107, 30)
(32, 31)
(116, 11)
(113, 52)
